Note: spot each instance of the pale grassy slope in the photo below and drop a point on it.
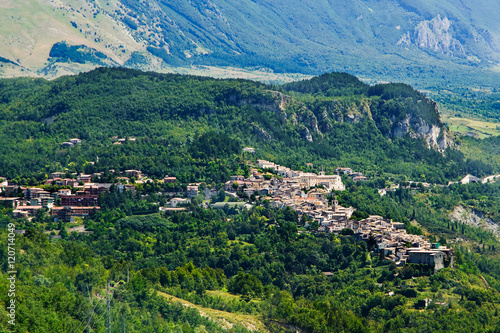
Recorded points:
(223, 318)
(29, 29)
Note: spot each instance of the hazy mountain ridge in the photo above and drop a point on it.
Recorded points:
(380, 39)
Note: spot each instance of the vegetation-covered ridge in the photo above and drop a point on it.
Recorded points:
(222, 269)
(348, 124)
(273, 275)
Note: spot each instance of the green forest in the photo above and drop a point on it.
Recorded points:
(170, 114)
(274, 274)
(239, 270)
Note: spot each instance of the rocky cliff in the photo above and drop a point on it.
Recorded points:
(475, 218)
(436, 35)
(414, 126)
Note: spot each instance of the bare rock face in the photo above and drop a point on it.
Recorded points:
(435, 35)
(475, 218)
(435, 136)
(305, 134)
(401, 128)
(262, 134)
(275, 102)
(353, 118)
(308, 118)
(325, 122)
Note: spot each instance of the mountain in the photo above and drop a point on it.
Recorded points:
(137, 265)
(332, 120)
(448, 42)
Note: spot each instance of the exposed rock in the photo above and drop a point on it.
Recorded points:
(307, 117)
(262, 134)
(325, 122)
(435, 35)
(274, 102)
(435, 136)
(351, 118)
(401, 128)
(305, 134)
(475, 218)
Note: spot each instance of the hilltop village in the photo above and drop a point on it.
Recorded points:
(307, 193)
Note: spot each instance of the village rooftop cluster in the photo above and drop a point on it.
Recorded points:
(78, 197)
(305, 192)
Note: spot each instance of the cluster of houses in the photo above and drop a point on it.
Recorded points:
(78, 199)
(393, 241)
(356, 176)
(63, 205)
(307, 194)
(289, 185)
(80, 195)
(71, 143)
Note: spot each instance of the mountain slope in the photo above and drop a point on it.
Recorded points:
(177, 119)
(381, 39)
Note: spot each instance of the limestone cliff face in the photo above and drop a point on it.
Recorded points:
(305, 134)
(288, 109)
(435, 136)
(319, 123)
(261, 133)
(435, 35)
(475, 218)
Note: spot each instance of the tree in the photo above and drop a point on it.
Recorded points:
(246, 284)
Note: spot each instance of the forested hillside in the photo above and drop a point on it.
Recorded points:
(250, 266)
(347, 124)
(197, 268)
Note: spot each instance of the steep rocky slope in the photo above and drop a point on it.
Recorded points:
(381, 39)
(397, 109)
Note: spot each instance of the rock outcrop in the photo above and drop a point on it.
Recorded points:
(261, 133)
(305, 134)
(435, 35)
(475, 218)
(435, 136)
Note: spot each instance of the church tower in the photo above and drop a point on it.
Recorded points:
(335, 203)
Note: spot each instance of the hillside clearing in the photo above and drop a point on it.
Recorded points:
(225, 319)
(483, 129)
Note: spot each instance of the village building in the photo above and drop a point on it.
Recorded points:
(75, 141)
(345, 171)
(45, 202)
(249, 150)
(68, 214)
(434, 258)
(11, 202)
(80, 200)
(174, 202)
(192, 191)
(84, 178)
(59, 175)
(169, 179)
(36, 192)
(133, 173)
